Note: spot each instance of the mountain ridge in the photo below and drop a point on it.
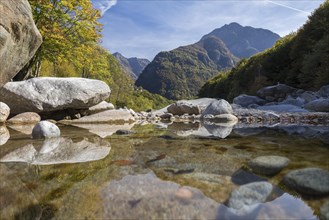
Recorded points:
(133, 66)
(299, 60)
(180, 73)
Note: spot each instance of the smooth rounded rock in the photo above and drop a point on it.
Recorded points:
(49, 94)
(310, 181)
(45, 129)
(218, 107)
(318, 105)
(246, 100)
(4, 112)
(25, 118)
(268, 165)
(4, 135)
(247, 197)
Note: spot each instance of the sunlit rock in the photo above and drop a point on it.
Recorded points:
(45, 129)
(48, 94)
(4, 135)
(24, 118)
(19, 38)
(194, 106)
(22, 128)
(109, 116)
(4, 112)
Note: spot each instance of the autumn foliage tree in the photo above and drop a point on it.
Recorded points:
(71, 33)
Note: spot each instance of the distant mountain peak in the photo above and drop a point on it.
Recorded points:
(134, 66)
(245, 41)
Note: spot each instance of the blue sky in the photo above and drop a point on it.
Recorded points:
(143, 28)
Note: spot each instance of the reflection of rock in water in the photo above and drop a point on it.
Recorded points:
(59, 150)
(206, 130)
(23, 128)
(15, 197)
(4, 135)
(317, 132)
(218, 131)
(146, 197)
(104, 130)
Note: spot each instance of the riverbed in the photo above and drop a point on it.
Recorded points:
(166, 171)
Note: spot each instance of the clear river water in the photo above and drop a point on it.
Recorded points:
(176, 171)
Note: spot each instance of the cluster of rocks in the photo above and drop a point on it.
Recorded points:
(28, 102)
(307, 181)
(283, 98)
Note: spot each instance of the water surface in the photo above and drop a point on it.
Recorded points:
(160, 171)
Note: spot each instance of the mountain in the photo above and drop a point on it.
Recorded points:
(300, 60)
(244, 42)
(180, 73)
(134, 66)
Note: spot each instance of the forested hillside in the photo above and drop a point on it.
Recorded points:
(300, 60)
(180, 73)
(134, 66)
(71, 48)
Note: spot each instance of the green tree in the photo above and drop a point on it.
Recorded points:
(70, 31)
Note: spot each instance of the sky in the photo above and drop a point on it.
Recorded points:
(143, 28)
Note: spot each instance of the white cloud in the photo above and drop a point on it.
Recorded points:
(289, 7)
(104, 5)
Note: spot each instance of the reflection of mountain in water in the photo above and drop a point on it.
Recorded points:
(59, 150)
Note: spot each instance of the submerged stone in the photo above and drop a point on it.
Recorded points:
(268, 165)
(247, 197)
(310, 181)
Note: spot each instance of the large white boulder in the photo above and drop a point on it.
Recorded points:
(47, 94)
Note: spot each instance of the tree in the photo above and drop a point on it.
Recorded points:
(70, 31)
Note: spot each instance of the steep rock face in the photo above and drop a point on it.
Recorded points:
(19, 37)
(180, 73)
(245, 41)
(47, 94)
(134, 66)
